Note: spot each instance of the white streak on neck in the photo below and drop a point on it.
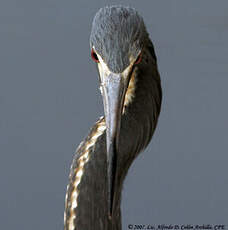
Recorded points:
(82, 160)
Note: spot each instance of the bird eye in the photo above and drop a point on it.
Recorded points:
(94, 56)
(139, 59)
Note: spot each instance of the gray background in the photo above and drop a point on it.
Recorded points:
(49, 98)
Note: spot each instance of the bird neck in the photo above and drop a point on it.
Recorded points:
(142, 106)
(87, 195)
(139, 120)
(86, 206)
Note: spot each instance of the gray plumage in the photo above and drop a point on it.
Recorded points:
(117, 33)
(114, 42)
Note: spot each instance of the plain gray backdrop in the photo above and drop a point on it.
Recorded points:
(49, 99)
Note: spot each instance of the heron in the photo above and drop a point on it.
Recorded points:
(131, 90)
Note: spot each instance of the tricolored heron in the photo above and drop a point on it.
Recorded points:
(131, 91)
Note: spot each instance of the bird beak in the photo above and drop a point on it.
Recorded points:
(114, 87)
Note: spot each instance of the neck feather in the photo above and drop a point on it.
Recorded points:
(86, 206)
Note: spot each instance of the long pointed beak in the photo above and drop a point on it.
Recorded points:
(114, 87)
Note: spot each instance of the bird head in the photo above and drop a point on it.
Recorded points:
(117, 40)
